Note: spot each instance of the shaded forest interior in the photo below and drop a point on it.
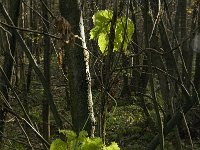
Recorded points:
(127, 71)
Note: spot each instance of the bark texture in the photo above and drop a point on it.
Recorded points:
(78, 70)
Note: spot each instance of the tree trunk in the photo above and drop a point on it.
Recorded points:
(78, 70)
(144, 77)
(197, 67)
(186, 52)
(125, 93)
(135, 59)
(155, 59)
(8, 61)
(45, 103)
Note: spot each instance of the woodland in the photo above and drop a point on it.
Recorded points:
(99, 74)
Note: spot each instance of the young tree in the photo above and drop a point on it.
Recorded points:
(78, 70)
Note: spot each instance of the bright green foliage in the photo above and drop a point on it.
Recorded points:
(81, 142)
(58, 144)
(91, 144)
(102, 21)
(71, 135)
(113, 146)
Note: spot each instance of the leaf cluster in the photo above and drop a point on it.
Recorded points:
(81, 142)
(102, 22)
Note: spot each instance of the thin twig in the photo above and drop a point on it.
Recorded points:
(26, 122)
(28, 140)
(29, 30)
(49, 11)
(188, 130)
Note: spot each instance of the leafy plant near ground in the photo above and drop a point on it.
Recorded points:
(102, 21)
(81, 142)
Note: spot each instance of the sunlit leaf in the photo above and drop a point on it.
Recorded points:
(92, 144)
(103, 42)
(58, 144)
(94, 32)
(102, 17)
(82, 135)
(101, 30)
(113, 146)
(82, 142)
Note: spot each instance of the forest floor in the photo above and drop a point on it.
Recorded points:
(125, 124)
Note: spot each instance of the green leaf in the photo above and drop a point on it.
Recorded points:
(71, 135)
(102, 17)
(74, 145)
(58, 144)
(94, 32)
(130, 29)
(103, 42)
(113, 146)
(82, 142)
(82, 135)
(120, 32)
(92, 144)
(102, 20)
